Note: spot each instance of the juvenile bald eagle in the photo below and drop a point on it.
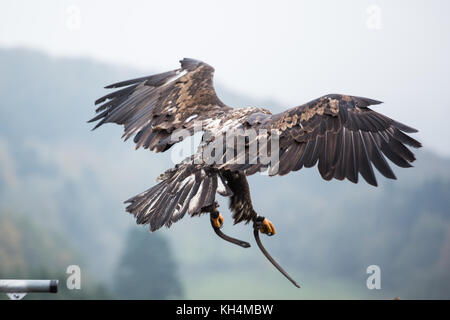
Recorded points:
(339, 132)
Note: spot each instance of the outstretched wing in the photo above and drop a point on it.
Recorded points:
(339, 132)
(151, 108)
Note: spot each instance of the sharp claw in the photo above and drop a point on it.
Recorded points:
(217, 222)
(267, 227)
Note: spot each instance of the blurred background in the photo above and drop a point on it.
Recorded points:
(62, 186)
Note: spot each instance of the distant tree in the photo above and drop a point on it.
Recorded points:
(147, 269)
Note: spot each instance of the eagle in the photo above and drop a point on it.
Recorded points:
(339, 133)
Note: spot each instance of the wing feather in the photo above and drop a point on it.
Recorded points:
(151, 108)
(340, 133)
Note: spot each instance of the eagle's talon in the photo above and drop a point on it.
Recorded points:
(266, 226)
(218, 221)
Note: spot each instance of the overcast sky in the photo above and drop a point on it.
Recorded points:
(289, 51)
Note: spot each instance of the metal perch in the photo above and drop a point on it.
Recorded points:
(17, 289)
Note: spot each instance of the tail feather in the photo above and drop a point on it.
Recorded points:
(186, 188)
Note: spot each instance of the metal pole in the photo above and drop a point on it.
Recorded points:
(27, 286)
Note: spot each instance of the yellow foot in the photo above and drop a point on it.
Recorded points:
(217, 222)
(267, 227)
